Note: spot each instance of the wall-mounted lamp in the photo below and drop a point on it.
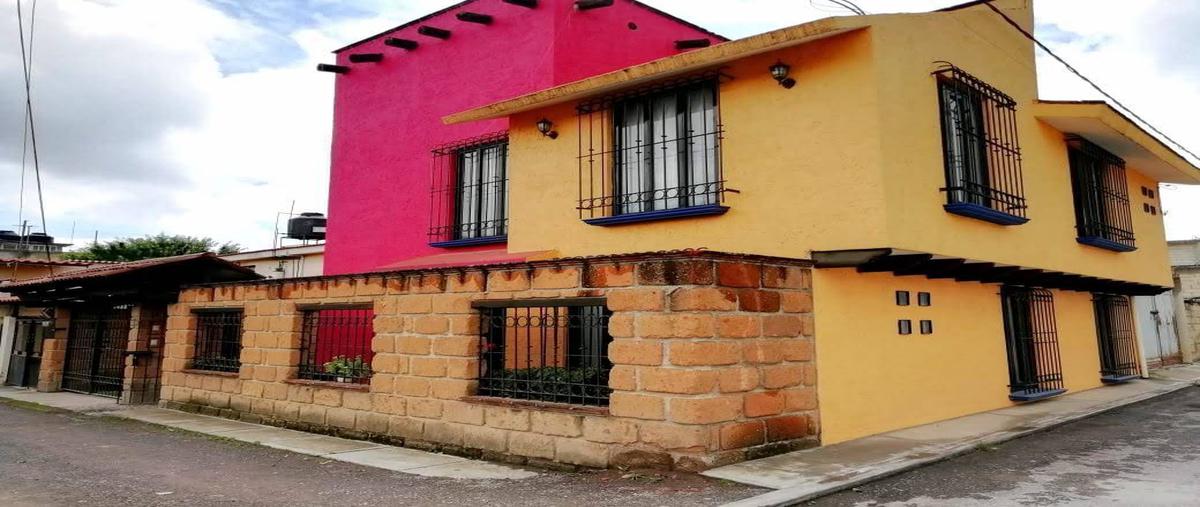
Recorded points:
(546, 127)
(780, 71)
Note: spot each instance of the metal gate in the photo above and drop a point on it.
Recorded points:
(1156, 325)
(96, 347)
(26, 356)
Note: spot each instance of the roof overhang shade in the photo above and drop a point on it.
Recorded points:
(150, 280)
(1108, 128)
(905, 263)
(665, 68)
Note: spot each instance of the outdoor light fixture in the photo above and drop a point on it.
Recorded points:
(546, 128)
(780, 71)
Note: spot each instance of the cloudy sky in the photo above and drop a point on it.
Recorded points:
(205, 117)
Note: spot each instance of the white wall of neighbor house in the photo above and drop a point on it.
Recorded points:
(1184, 253)
(1187, 309)
(286, 262)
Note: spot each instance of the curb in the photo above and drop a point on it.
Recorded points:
(799, 494)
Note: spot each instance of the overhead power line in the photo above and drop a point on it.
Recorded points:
(27, 68)
(1093, 84)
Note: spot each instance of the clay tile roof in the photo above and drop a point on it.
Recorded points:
(56, 262)
(104, 270)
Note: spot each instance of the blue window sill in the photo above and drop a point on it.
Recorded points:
(1106, 244)
(1117, 379)
(981, 212)
(1034, 395)
(470, 242)
(666, 214)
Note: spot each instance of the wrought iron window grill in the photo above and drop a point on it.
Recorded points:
(551, 351)
(335, 345)
(981, 151)
(652, 149)
(218, 341)
(1118, 344)
(1031, 338)
(469, 192)
(1102, 211)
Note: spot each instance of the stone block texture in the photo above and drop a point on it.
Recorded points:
(712, 360)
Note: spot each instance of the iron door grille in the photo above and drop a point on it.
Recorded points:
(1102, 210)
(552, 352)
(218, 341)
(469, 192)
(1118, 344)
(981, 151)
(335, 345)
(1031, 338)
(652, 150)
(96, 348)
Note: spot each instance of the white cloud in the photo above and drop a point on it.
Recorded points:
(141, 131)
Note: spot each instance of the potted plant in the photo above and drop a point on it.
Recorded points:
(347, 370)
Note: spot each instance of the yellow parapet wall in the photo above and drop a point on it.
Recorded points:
(873, 380)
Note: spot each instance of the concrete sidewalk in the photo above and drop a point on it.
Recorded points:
(804, 475)
(370, 454)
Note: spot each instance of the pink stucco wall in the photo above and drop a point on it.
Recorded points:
(387, 116)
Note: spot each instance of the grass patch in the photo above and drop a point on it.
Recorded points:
(29, 405)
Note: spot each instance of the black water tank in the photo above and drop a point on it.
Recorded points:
(10, 236)
(40, 238)
(307, 226)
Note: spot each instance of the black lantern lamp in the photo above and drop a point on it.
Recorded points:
(546, 127)
(780, 71)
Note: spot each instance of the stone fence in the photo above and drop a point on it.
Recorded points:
(711, 354)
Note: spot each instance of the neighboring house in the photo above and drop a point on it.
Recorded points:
(283, 262)
(39, 245)
(101, 329)
(799, 238)
(387, 115)
(23, 328)
(1185, 261)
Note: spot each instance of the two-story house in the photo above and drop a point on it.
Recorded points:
(798, 238)
(973, 245)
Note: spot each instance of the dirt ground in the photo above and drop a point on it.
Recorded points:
(49, 457)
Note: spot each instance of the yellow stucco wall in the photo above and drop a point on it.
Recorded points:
(871, 379)
(977, 41)
(790, 154)
(849, 158)
(852, 158)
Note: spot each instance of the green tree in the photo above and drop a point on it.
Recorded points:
(149, 247)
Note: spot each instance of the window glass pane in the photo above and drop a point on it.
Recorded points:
(631, 157)
(665, 161)
(468, 200)
(667, 150)
(702, 145)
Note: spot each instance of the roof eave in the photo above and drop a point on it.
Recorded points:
(667, 67)
(1103, 125)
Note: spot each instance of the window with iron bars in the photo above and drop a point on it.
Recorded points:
(218, 340)
(551, 351)
(1117, 342)
(335, 345)
(652, 153)
(470, 192)
(1102, 216)
(1031, 339)
(980, 149)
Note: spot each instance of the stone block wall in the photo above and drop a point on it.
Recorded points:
(712, 360)
(1187, 295)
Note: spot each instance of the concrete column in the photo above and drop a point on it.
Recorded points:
(8, 330)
